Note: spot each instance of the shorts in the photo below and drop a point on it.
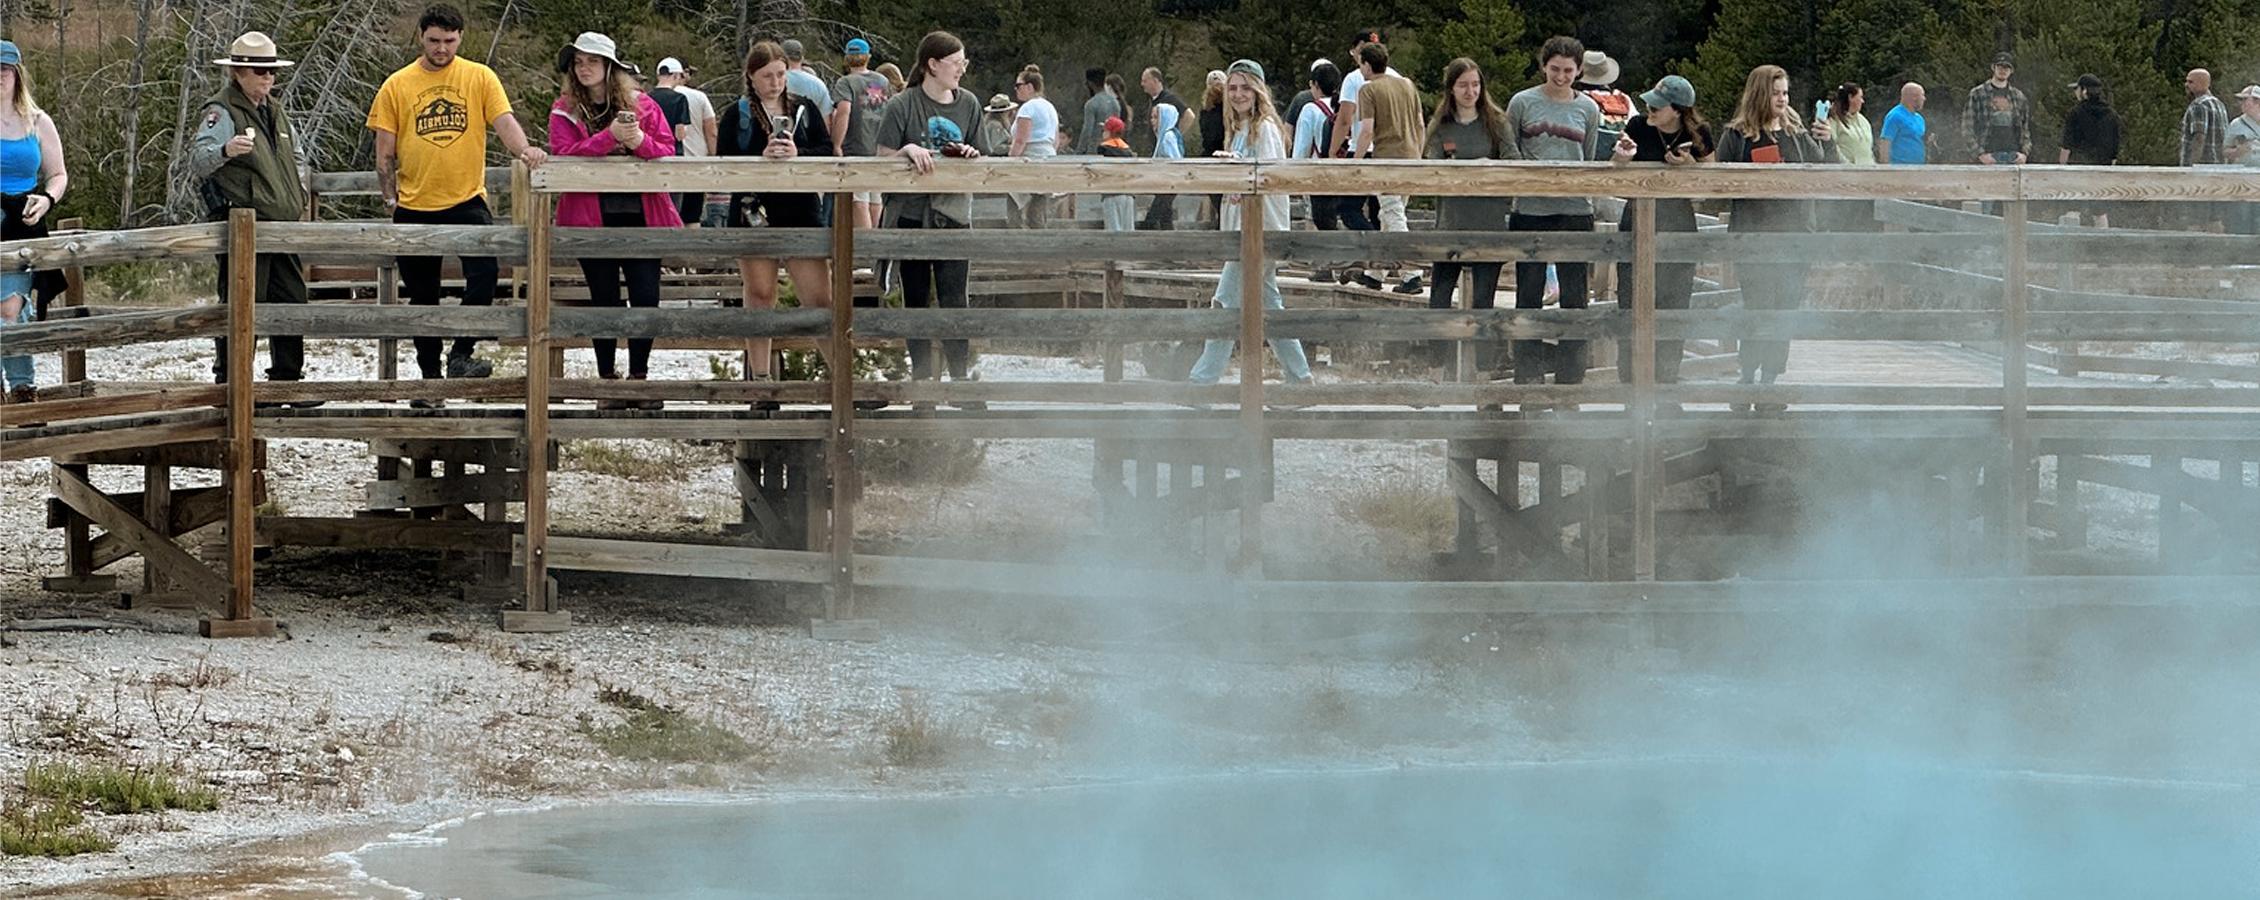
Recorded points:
(777, 210)
(872, 197)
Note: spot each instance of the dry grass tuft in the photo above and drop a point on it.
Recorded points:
(916, 739)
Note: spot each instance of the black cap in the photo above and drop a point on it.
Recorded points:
(2004, 59)
(1367, 36)
(2089, 82)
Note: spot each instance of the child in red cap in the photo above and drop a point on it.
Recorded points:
(1118, 211)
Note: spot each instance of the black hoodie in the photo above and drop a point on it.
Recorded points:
(2091, 132)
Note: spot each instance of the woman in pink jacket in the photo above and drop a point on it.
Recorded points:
(602, 114)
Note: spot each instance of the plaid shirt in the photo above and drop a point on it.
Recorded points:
(1981, 104)
(2204, 124)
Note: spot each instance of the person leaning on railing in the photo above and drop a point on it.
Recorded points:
(749, 129)
(933, 116)
(32, 181)
(599, 113)
(1252, 131)
(1468, 126)
(247, 153)
(1765, 130)
(1673, 133)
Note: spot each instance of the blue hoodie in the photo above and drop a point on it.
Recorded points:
(1168, 143)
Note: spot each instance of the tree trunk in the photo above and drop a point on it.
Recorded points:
(133, 112)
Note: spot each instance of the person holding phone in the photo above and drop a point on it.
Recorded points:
(600, 113)
(772, 123)
(1673, 133)
(1766, 130)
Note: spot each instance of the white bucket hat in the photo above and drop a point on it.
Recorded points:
(254, 50)
(595, 44)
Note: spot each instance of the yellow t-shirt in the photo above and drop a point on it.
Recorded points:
(439, 120)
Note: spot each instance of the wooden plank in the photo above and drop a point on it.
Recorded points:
(49, 411)
(96, 248)
(378, 240)
(157, 550)
(388, 349)
(192, 509)
(1256, 445)
(364, 184)
(179, 455)
(2136, 183)
(242, 287)
(1742, 596)
(688, 560)
(539, 595)
(842, 476)
(2019, 487)
(1111, 298)
(491, 453)
(74, 299)
(351, 320)
(488, 389)
(1647, 475)
(832, 175)
(372, 532)
(88, 332)
(156, 509)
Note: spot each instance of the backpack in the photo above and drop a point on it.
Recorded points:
(746, 120)
(1327, 149)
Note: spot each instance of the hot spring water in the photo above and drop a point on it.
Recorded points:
(1661, 829)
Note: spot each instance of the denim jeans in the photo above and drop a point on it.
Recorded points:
(1210, 367)
(15, 287)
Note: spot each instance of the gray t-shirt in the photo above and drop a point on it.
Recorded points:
(914, 118)
(1454, 140)
(1095, 113)
(864, 93)
(1542, 128)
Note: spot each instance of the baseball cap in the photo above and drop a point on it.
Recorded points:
(858, 47)
(10, 55)
(2250, 92)
(1246, 67)
(1671, 91)
(1114, 125)
(2088, 82)
(670, 66)
(2005, 59)
(794, 49)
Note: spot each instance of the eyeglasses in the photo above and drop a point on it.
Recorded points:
(264, 73)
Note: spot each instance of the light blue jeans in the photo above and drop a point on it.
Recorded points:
(1210, 367)
(1119, 212)
(15, 291)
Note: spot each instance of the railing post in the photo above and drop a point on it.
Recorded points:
(839, 457)
(1256, 476)
(1110, 297)
(2067, 278)
(1647, 457)
(243, 345)
(540, 612)
(74, 294)
(2017, 488)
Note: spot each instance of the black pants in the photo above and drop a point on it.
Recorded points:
(1768, 286)
(1566, 359)
(927, 283)
(46, 284)
(1484, 295)
(1340, 214)
(1161, 215)
(604, 277)
(1675, 288)
(419, 275)
(278, 278)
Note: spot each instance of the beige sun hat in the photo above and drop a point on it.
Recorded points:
(254, 50)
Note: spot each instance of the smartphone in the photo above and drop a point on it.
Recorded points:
(624, 117)
(1821, 110)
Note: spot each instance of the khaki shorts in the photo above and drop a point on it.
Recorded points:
(872, 197)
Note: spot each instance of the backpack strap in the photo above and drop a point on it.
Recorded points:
(745, 125)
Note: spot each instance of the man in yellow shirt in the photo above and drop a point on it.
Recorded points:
(431, 120)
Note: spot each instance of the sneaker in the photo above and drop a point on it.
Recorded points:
(869, 405)
(1367, 281)
(468, 367)
(1411, 285)
(971, 404)
(613, 405)
(1322, 276)
(433, 403)
(23, 393)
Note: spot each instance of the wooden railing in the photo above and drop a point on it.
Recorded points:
(2023, 314)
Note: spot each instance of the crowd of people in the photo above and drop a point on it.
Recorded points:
(431, 120)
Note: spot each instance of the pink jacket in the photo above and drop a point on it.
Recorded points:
(568, 136)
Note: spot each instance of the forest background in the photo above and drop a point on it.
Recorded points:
(124, 78)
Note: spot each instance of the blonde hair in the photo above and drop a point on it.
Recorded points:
(1234, 125)
(24, 104)
(1754, 110)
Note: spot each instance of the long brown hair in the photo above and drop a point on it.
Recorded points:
(621, 96)
(893, 75)
(24, 105)
(757, 58)
(1488, 112)
(935, 45)
(1754, 110)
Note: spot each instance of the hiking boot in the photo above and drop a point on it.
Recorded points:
(468, 367)
(1367, 281)
(23, 393)
(1322, 276)
(431, 403)
(613, 405)
(647, 405)
(1411, 285)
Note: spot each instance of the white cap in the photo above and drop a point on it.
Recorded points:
(2250, 92)
(1314, 64)
(670, 66)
